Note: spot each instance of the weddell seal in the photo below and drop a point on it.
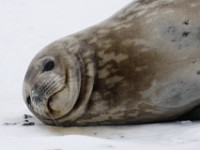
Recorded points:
(142, 65)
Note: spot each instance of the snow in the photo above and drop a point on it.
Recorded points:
(28, 26)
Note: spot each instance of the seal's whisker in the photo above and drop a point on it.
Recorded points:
(47, 88)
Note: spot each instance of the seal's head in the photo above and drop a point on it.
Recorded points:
(52, 83)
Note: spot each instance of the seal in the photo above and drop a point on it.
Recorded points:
(142, 65)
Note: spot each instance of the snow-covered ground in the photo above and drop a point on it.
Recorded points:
(28, 26)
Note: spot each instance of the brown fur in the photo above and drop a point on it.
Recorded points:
(145, 61)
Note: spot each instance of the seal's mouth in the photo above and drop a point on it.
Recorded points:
(44, 107)
(43, 98)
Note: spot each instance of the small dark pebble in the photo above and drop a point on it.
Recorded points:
(186, 22)
(185, 34)
(28, 124)
(10, 124)
(121, 137)
(27, 116)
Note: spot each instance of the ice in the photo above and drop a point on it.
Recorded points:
(28, 26)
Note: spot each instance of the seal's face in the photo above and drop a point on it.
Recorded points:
(51, 86)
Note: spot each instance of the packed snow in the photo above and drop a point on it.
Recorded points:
(28, 26)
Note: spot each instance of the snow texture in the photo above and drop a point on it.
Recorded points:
(28, 26)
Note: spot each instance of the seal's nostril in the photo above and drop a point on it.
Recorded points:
(35, 96)
(28, 100)
(36, 99)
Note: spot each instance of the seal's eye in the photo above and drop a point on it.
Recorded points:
(48, 65)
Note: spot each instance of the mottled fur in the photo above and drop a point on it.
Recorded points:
(139, 66)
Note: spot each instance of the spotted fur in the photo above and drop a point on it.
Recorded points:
(139, 66)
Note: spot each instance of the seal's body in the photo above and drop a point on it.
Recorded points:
(142, 65)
